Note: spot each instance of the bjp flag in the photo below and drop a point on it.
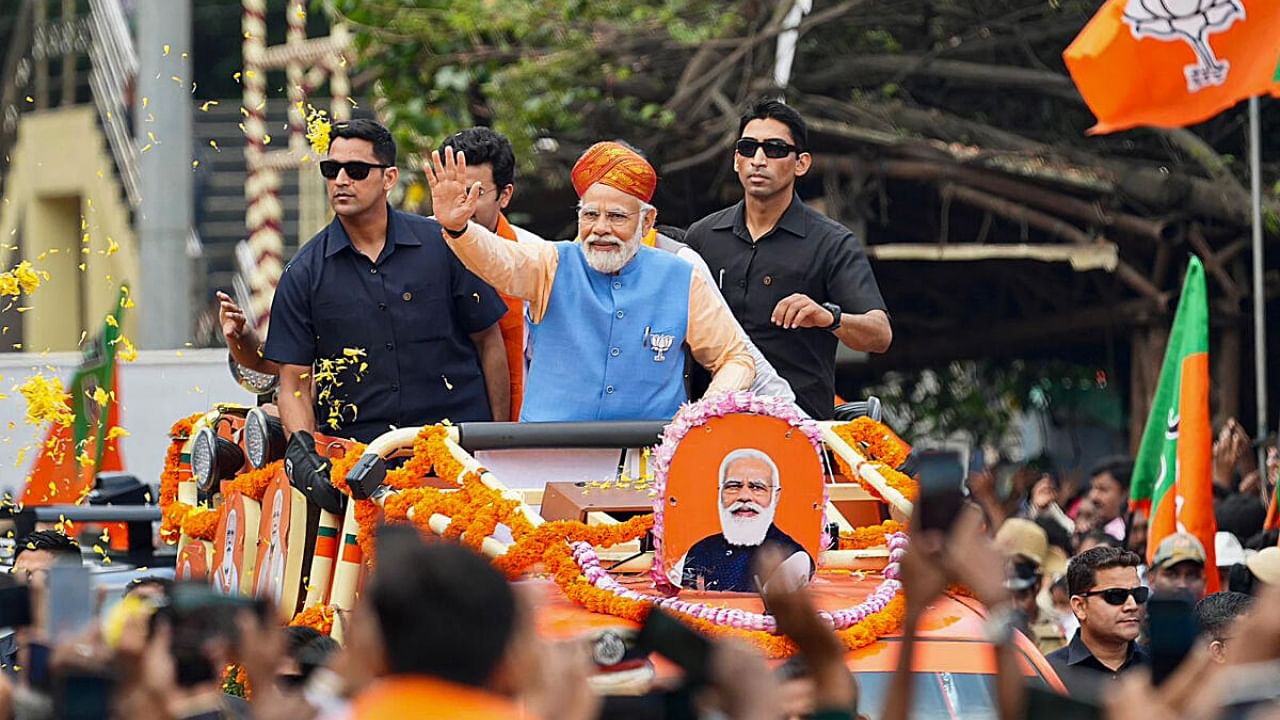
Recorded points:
(1173, 63)
(1173, 475)
(72, 455)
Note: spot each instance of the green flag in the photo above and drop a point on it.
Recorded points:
(71, 457)
(1173, 474)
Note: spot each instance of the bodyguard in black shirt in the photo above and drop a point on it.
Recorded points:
(796, 280)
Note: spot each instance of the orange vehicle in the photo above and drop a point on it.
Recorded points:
(635, 501)
(954, 665)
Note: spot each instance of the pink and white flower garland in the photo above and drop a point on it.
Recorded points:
(699, 413)
(589, 563)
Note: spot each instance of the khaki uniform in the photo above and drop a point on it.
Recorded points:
(1046, 633)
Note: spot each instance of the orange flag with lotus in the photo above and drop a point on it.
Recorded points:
(1173, 63)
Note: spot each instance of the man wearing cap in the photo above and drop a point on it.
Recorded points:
(610, 318)
(1178, 566)
(1026, 546)
(1227, 552)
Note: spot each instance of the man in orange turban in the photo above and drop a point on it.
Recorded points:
(611, 318)
(617, 166)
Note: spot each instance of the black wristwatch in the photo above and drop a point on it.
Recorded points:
(834, 309)
(455, 234)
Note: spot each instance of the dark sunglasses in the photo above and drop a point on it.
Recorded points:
(1118, 596)
(356, 169)
(775, 149)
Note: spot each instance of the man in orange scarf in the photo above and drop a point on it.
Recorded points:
(492, 163)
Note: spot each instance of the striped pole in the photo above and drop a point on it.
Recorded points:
(322, 562)
(340, 80)
(296, 14)
(346, 572)
(263, 215)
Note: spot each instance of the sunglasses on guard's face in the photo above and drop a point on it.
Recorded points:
(775, 149)
(1118, 596)
(356, 169)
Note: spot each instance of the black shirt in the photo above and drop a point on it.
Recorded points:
(1084, 675)
(715, 564)
(807, 253)
(410, 314)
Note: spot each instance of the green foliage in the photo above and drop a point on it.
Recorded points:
(981, 400)
(529, 68)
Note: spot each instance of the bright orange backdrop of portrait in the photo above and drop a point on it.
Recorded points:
(694, 482)
(279, 485)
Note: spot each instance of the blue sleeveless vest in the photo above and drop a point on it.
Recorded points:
(610, 347)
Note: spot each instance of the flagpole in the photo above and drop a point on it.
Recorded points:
(1259, 299)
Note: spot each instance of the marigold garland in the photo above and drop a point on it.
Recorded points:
(868, 537)
(171, 522)
(339, 468)
(476, 510)
(884, 451)
(318, 617)
(874, 440)
(201, 523)
(253, 484)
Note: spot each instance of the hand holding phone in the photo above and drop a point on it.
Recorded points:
(1173, 629)
(939, 502)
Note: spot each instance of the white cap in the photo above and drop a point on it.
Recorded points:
(1227, 549)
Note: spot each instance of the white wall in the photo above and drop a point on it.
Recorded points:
(158, 388)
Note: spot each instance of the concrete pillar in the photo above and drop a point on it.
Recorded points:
(162, 113)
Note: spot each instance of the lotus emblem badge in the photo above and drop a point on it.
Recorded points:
(1192, 21)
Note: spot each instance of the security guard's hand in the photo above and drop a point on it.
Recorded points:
(308, 471)
(231, 318)
(452, 200)
(800, 311)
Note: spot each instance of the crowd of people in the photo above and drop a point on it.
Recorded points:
(439, 632)
(391, 319)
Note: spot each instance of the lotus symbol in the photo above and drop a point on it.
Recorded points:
(1192, 21)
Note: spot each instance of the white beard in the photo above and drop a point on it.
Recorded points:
(745, 530)
(611, 261)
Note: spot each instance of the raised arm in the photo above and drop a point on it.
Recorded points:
(525, 270)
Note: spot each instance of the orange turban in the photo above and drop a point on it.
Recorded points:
(618, 167)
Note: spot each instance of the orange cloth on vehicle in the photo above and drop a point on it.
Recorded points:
(618, 167)
(405, 696)
(512, 327)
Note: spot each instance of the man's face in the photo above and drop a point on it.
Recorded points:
(32, 567)
(765, 177)
(611, 225)
(493, 199)
(351, 198)
(1137, 539)
(1025, 601)
(1086, 517)
(747, 495)
(1105, 621)
(1186, 576)
(1108, 497)
(748, 482)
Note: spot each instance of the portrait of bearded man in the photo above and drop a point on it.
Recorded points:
(749, 488)
(227, 576)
